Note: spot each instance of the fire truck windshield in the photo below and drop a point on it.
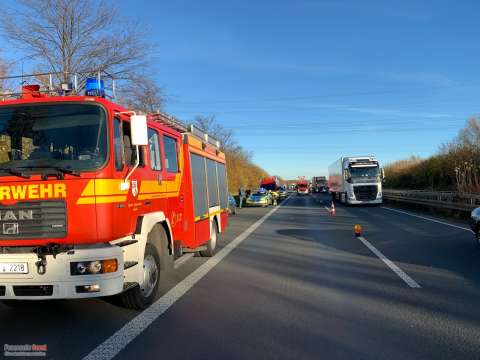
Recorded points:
(63, 136)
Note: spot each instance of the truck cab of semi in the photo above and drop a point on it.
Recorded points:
(356, 180)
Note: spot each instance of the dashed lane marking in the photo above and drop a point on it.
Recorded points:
(410, 282)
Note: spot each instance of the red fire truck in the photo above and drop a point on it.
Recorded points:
(96, 200)
(302, 187)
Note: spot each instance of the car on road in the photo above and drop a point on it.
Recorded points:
(282, 194)
(232, 205)
(260, 198)
(475, 224)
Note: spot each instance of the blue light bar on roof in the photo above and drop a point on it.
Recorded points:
(94, 87)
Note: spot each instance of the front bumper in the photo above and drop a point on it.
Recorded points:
(57, 278)
(257, 203)
(366, 202)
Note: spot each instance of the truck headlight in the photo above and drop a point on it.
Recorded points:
(93, 267)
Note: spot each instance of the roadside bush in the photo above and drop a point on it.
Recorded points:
(455, 167)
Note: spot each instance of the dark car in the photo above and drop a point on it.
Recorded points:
(475, 224)
(232, 205)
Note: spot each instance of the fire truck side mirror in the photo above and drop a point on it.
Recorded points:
(138, 129)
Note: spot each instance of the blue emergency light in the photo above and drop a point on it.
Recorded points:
(94, 87)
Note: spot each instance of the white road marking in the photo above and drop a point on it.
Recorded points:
(410, 282)
(426, 218)
(119, 340)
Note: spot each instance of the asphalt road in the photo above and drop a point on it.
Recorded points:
(300, 286)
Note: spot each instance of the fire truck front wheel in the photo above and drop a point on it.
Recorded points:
(141, 296)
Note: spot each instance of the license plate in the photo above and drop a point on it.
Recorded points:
(14, 268)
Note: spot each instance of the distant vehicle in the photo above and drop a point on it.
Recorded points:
(260, 198)
(475, 224)
(232, 205)
(356, 180)
(271, 183)
(282, 193)
(302, 187)
(319, 183)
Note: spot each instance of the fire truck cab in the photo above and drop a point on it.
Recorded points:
(96, 200)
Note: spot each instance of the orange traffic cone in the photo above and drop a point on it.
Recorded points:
(332, 209)
(357, 230)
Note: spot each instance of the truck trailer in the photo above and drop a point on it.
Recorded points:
(96, 200)
(356, 180)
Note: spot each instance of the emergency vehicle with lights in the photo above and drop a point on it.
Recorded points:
(302, 187)
(96, 200)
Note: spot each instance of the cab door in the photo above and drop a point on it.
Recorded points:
(173, 166)
(127, 209)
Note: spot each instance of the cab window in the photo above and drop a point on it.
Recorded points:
(118, 144)
(154, 146)
(171, 157)
(131, 150)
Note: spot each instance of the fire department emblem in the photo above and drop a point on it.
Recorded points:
(134, 188)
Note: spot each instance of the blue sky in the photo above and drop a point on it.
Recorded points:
(304, 82)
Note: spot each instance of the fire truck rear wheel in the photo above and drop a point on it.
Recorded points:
(141, 296)
(212, 243)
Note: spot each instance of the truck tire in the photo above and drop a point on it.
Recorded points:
(212, 242)
(141, 296)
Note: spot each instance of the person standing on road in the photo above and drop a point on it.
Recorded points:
(241, 195)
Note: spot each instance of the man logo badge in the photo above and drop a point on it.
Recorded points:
(10, 228)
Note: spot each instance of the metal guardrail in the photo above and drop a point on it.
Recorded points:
(439, 199)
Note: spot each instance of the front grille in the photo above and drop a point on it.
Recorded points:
(33, 290)
(33, 220)
(365, 192)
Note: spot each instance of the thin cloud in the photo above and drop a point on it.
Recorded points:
(424, 78)
(397, 113)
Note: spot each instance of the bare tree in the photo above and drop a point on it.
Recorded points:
(143, 94)
(70, 36)
(3, 73)
(224, 135)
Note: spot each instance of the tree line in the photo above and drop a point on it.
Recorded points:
(79, 36)
(456, 166)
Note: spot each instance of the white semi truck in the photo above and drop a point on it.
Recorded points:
(356, 180)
